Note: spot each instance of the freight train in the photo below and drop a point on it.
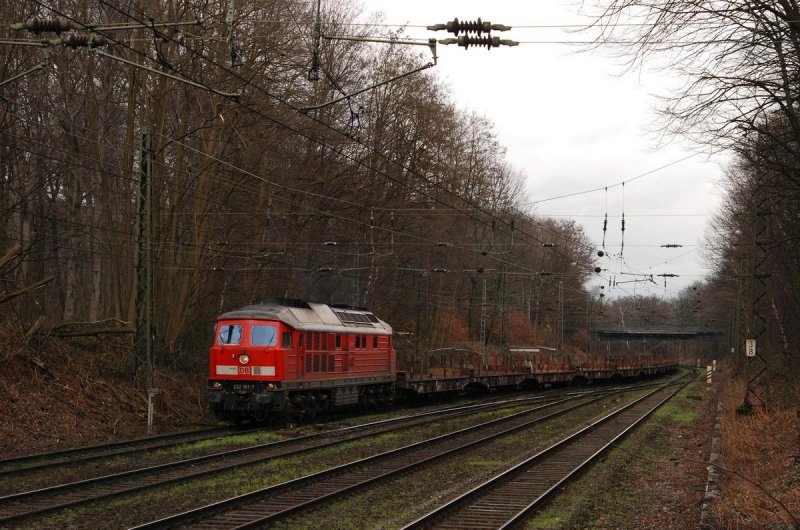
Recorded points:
(296, 358)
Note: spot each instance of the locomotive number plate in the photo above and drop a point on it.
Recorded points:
(244, 370)
(243, 386)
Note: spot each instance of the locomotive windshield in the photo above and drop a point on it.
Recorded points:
(263, 336)
(230, 334)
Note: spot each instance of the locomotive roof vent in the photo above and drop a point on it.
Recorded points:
(288, 302)
(356, 319)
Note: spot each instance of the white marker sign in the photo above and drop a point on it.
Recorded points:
(750, 347)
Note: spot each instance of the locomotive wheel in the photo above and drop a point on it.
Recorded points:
(261, 415)
(312, 408)
(289, 414)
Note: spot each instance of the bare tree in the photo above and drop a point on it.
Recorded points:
(740, 60)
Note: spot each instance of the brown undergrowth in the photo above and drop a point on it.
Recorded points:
(761, 475)
(61, 393)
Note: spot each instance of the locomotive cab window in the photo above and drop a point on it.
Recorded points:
(375, 342)
(230, 334)
(263, 336)
(286, 339)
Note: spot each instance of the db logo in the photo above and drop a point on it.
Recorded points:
(244, 370)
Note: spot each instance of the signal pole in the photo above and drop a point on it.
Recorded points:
(758, 328)
(143, 287)
(483, 326)
(561, 316)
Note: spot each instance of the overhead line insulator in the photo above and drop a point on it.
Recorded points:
(44, 25)
(488, 42)
(85, 41)
(479, 26)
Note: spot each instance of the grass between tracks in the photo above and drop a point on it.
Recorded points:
(653, 479)
(221, 443)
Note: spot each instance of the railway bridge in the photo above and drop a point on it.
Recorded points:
(657, 332)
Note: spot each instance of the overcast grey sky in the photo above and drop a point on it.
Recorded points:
(574, 120)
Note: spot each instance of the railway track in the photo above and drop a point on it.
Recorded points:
(42, 462)
(508, 499)
(265, 507)
(81, 455)
(46, 465)
(24, 505)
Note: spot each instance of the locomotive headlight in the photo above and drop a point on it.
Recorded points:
(244, 358)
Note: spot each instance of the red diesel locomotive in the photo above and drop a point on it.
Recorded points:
(290, 356)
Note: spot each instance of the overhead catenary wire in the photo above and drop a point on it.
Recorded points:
(622, 237)
(620, 183)
(227, 249)
(462, 198)
(325, 213)
(550, 199)
(575, 42)
(605, 221)
(494, 217)
(301, 133)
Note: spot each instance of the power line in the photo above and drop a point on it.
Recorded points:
(620, 183)
(301, 133)
(494, 217)
(91, 229)
(278, 122)
(463, 246)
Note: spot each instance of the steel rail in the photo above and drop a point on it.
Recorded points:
(264, 506)
(17, 465)
(506, 499)
(24, 505)
(18, 506)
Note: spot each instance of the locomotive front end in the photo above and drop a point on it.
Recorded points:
(245, 368)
